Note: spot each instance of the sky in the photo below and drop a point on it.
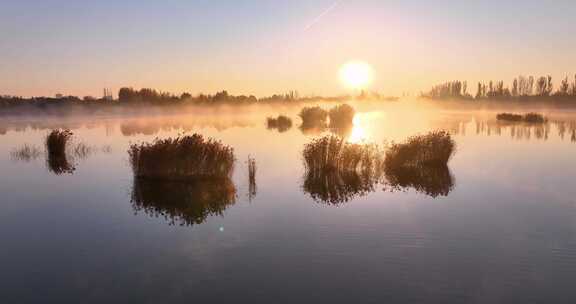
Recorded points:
(262, 47)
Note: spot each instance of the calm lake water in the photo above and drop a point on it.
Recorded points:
(498, 227)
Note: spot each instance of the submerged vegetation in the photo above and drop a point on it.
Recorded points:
(183, 203)
(181, 158)
(281, 123)
(529, 118)
(57, 143)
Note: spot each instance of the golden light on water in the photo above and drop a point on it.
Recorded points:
(358, 133)
(356, 74)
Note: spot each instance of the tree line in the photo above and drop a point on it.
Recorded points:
(522, 87)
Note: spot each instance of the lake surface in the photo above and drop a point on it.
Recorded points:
(498, 227)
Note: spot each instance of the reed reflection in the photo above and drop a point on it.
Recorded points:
(338, 171)
(432, 180)
(252, 188)
(338, 187)
(184, 203)
(26, 153)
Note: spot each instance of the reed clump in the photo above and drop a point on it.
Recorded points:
(181, 158)
(337, 171)
(331, 153)
(57, 142)
(529, 118)
(341, 116)
(421, 163)
(534, 118)
(313, 117)
(281, 123)
(184, 203)
(434, 148)
(56, 145)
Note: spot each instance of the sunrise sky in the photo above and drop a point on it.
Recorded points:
(265, 47)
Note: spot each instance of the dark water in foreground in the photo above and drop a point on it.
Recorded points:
(502, 230)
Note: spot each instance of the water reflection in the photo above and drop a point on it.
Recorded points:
(432, 180)
(338, 187)
(483, 126)
(183, 203)
(60, 163)
(252, 188)
(26, 153)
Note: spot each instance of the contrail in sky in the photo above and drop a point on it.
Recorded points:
(317, 19)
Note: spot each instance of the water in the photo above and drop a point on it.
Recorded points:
(504, 232)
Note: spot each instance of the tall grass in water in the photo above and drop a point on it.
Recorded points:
(252, 189)
(337, 171)
(281, 123)
(341, 116)
(421, 163)
(529, 118)
(181, 158)
(26, 153)
(183, 203)
(313, 117)
(56, 144)
(434, 148)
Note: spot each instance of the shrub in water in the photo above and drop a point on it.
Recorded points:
(182, 158)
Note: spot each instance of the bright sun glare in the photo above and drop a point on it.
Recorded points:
(356, 74)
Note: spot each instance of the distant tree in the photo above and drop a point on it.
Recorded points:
(564, 88)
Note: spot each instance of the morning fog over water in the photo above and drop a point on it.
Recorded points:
(497, 222)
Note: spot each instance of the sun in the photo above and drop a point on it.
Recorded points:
(356, 74)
